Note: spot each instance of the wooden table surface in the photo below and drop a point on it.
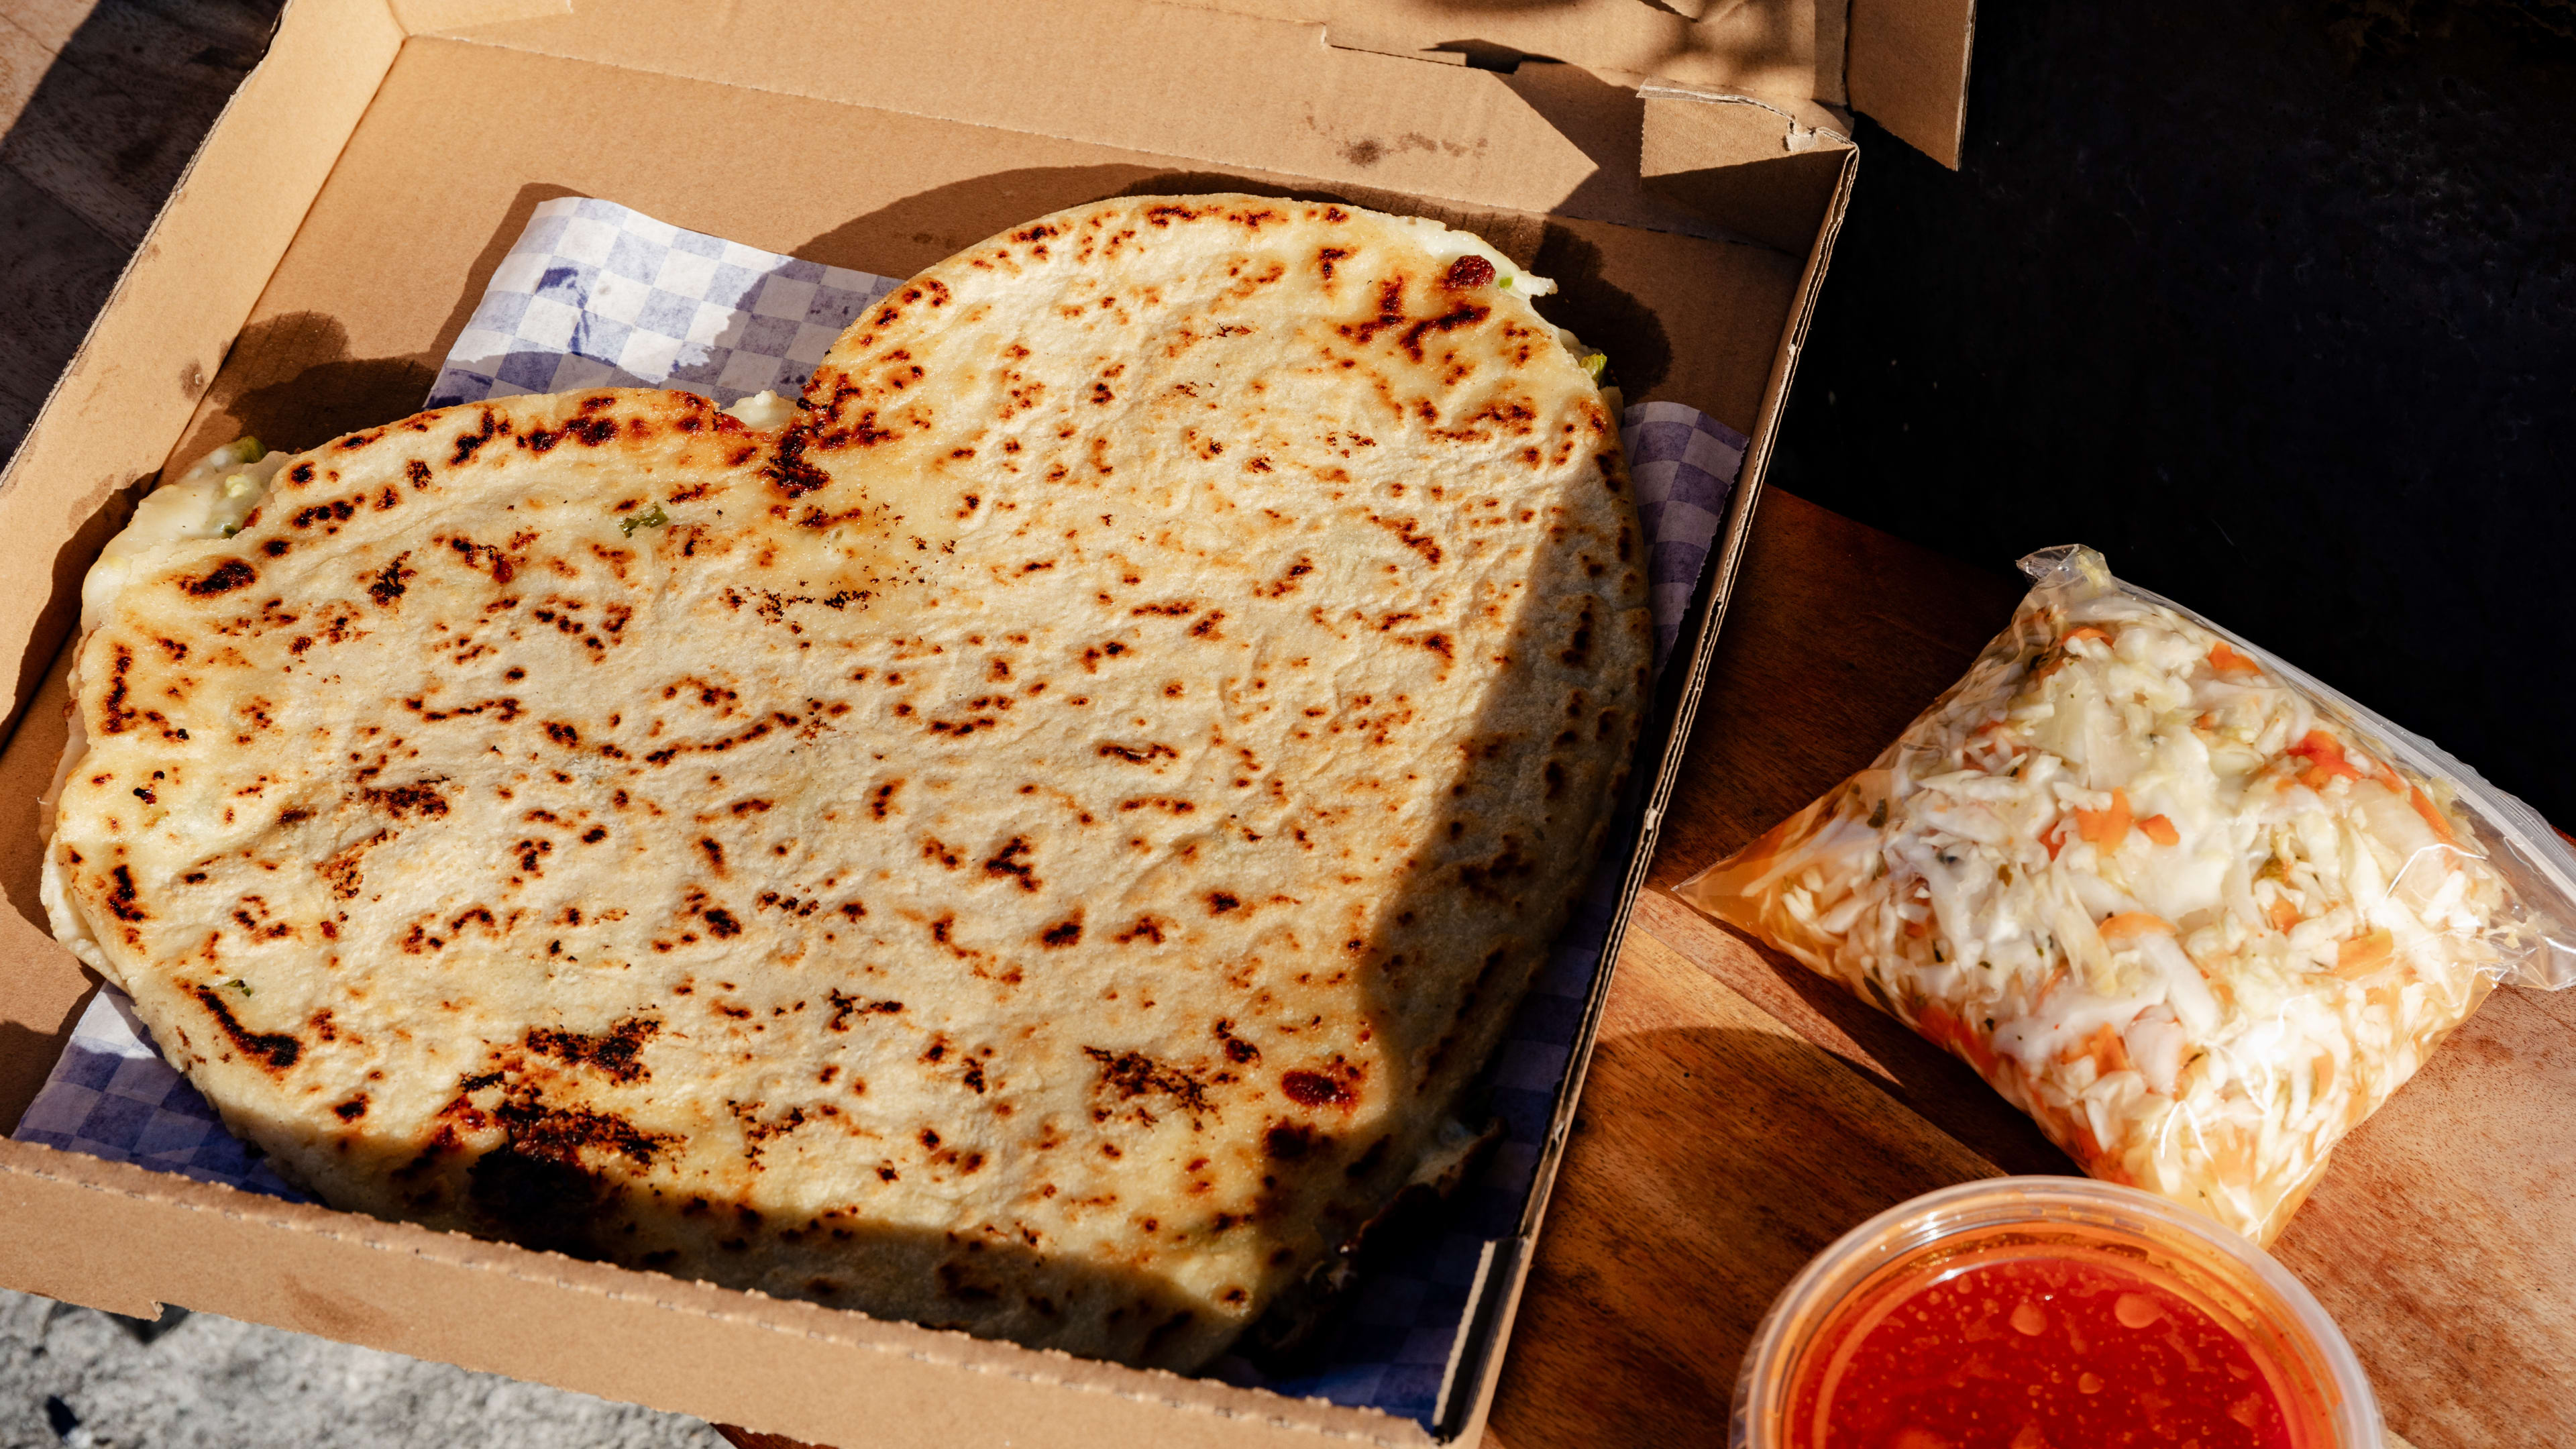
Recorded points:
(1742, 1113)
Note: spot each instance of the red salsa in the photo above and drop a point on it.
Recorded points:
(2042, 1346)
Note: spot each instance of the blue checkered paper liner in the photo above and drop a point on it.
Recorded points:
(594, 294)
(111, 1095)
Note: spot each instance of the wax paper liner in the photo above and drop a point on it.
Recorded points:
(594, 294)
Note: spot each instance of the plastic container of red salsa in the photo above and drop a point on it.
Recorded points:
(2023, 1312)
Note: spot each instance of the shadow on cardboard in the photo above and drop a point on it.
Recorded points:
(928, 227)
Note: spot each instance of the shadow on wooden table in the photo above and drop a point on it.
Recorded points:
(1741, 1153)
(1717, 1152)
(1883, 1051)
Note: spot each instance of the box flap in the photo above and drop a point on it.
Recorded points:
(1559, 140)
(1788, 50)
(1908, 70)
(1904, 63)
(117, 1237)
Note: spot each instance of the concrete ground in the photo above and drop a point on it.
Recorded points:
(78, 1377)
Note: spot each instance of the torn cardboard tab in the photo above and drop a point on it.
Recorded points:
(1768, 169)
(1904, 63)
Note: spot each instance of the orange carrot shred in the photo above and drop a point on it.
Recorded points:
(2134, 923)
(2366, 952)
(2110, 1053)
(2232, 665)
(2432, 817)
(2284, 915)
(1944, 1030)
(2160, 830)
(2324, 755)
(2106, 828)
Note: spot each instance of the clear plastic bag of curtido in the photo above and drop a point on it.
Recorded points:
(2195, 912)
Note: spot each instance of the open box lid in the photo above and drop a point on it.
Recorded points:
(1903, 63)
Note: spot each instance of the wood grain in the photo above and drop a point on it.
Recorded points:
(1717, 1151)
(59, 270)
(123, 105)
(50, 23)
(1847, 634)
(24, 59)
(2443, 1238)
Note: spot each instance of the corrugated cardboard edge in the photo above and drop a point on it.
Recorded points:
(1906, 67)
(208, 255)
(1475, 1370)
(76, 1224)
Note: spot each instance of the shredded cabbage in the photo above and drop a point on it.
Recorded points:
(2162, 902)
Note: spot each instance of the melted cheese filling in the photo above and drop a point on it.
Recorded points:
(209, 500)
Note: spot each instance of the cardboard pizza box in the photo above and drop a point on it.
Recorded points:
(1680, 167)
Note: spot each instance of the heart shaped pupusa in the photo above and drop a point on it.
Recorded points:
(1038, 846)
